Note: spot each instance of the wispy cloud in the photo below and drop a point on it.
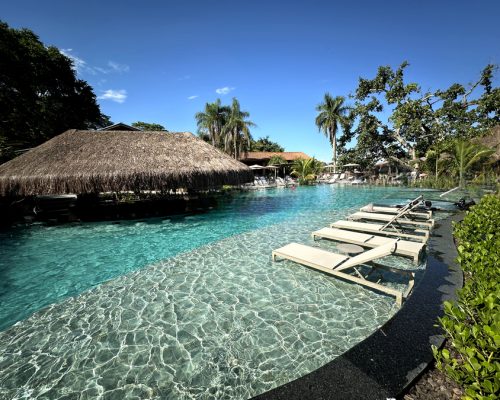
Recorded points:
(192, 97)
(118, 96)
(184, 78)
(81, 66)
(224, 90)
(115, 67)
(78, 64)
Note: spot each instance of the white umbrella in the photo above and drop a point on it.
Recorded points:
(255, 166)
(351, 165)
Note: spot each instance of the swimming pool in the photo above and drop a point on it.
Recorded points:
(191, 307)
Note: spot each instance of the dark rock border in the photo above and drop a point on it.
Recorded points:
(387, 362)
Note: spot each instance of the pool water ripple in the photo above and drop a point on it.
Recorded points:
(219, 321)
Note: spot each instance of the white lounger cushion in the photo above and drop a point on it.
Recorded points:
(389, 217)
(322, 259)
(394, 210)
(405, 247)
(377, 229)
(311, 256)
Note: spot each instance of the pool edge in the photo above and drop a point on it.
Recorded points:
(387, 362)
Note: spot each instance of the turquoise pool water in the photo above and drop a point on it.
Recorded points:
(192, 306)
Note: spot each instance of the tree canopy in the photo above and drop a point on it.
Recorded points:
(265, 144)
(417, 120)
(147, 126)
(40, 96)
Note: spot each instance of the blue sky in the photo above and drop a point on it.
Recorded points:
(161, 61)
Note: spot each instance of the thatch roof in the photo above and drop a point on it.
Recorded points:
(100, 161)
(266, 155)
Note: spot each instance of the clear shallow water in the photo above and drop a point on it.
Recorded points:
(213, 317)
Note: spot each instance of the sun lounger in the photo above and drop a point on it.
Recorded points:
(395, 210)
(386, 230)
(336, 264)
(404, 247)
(403, 219)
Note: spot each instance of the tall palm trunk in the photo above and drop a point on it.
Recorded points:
(235, 140)
(334, 149)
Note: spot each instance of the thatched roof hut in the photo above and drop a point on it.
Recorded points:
(101, 161)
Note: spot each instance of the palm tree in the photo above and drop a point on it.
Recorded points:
(306, 169)
(236, 130)
(330, 114)
(465, 154)
(211, 121)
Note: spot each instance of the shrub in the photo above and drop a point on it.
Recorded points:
(472, 323)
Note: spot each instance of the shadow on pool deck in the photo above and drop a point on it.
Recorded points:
(388, 361)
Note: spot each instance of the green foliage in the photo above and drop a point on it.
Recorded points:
(472, 324)
(146, 126)
(451, 162)
(445, 182)
(465, 154)
(306, 170)
(40, 96)
(417, 120)
(265, 144)
(277, 160)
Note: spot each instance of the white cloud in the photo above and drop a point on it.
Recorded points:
(224, 90)
(118, 96)
(192, 97)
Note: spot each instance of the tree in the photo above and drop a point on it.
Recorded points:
(211, 121)
(417, 120)
(306, 170)
(465, 154)
(236, 130)
(146, 126)
(265, 144)
(331, 114)
(40, 96)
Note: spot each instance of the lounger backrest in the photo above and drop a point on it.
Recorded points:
(370, 255)
(411, 205)
(403, 210)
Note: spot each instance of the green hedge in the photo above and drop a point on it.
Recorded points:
(472, 323)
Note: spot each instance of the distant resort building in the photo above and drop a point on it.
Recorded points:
(263, 157)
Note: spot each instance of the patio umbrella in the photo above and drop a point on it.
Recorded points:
(255, 166)
(351, 165)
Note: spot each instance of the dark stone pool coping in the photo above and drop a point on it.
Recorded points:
(383, 365)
